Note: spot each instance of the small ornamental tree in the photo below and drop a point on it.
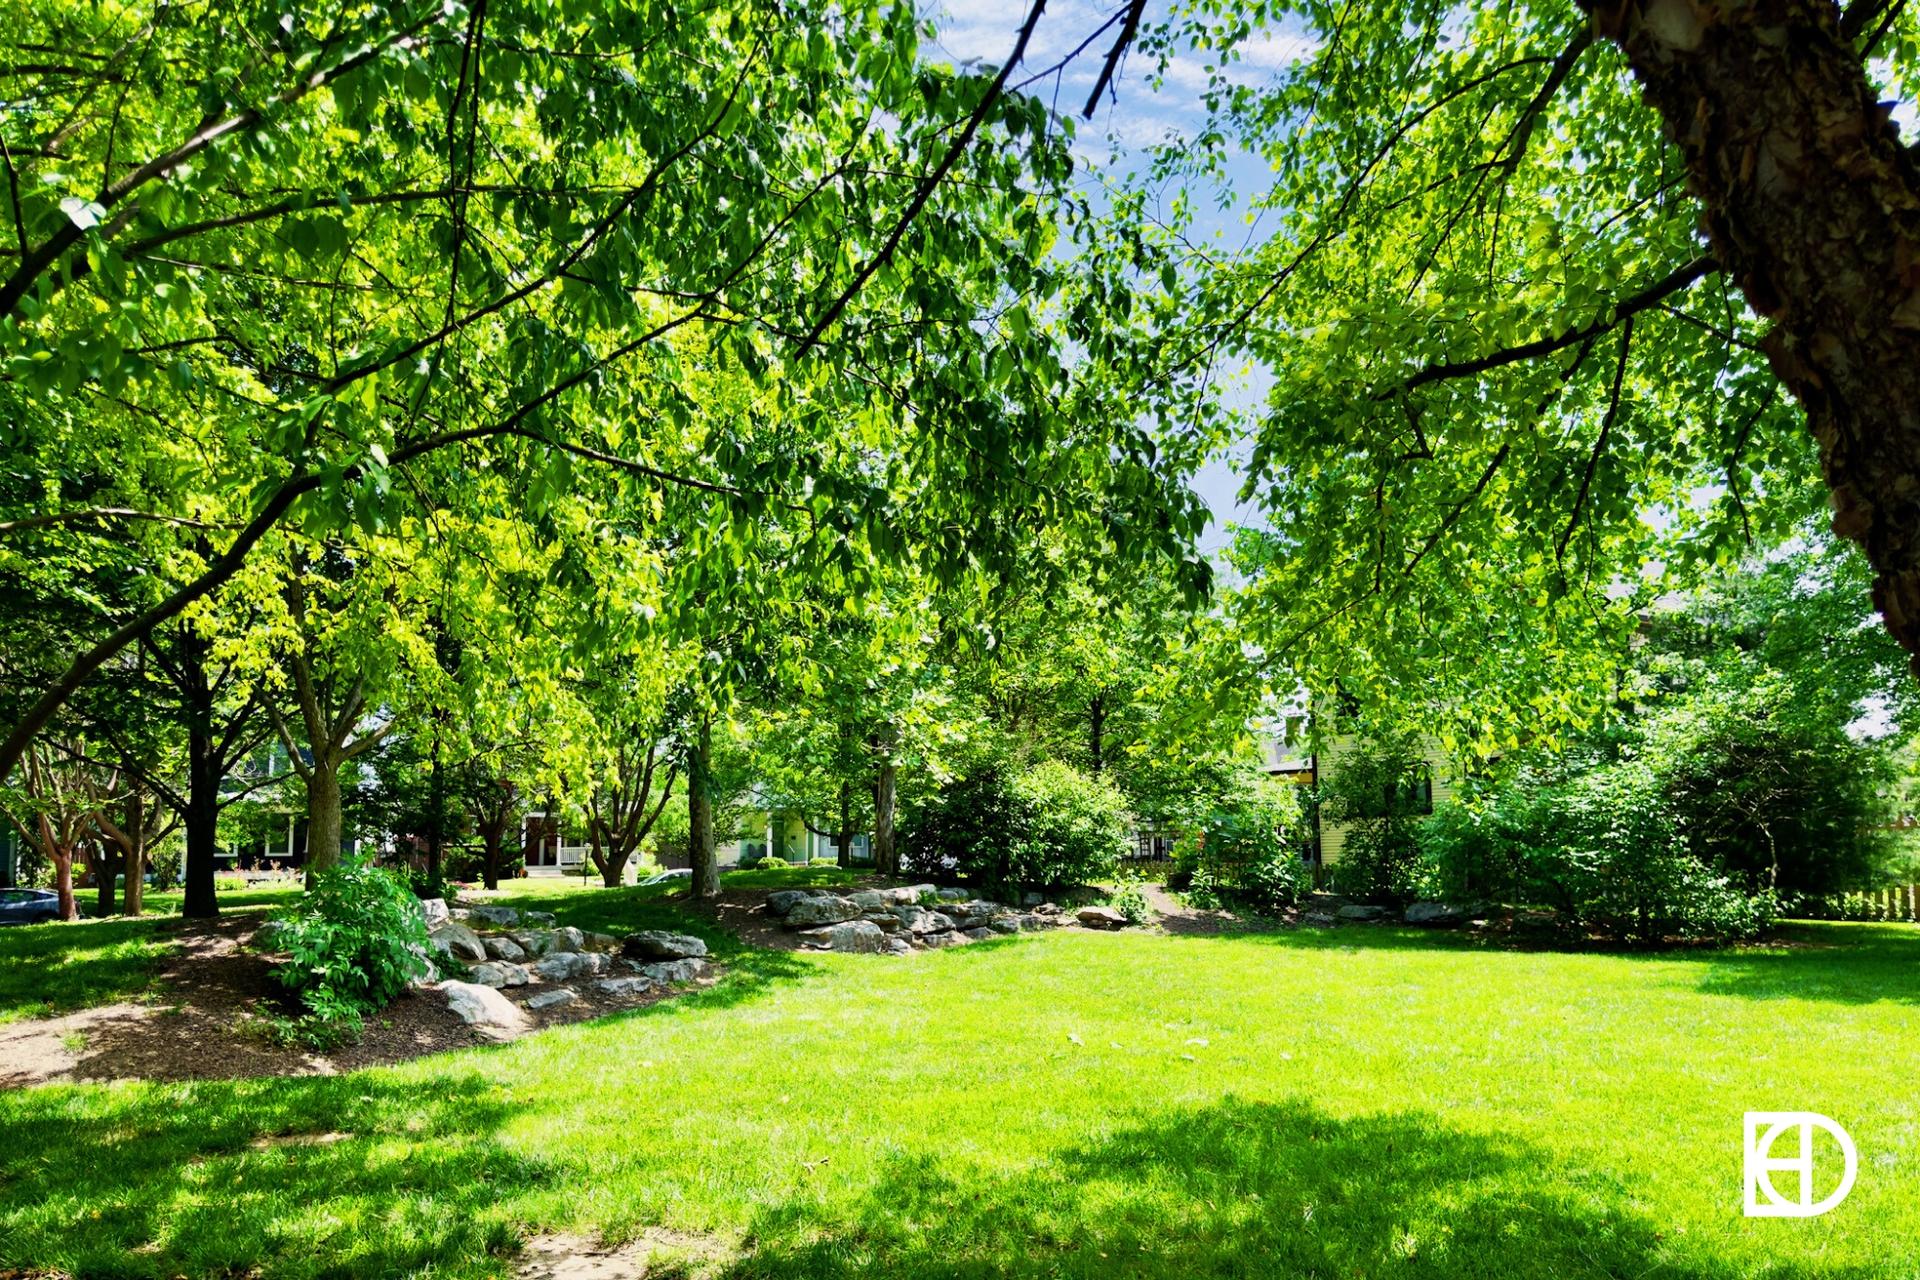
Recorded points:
(354, 941)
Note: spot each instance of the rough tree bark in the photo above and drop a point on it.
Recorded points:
(202, 819)
(886, 853)
(1813, 206)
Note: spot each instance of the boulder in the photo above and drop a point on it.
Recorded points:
(781, 901)
(899, 946)
(980, 935)
(625, 988)
(535, 942)
(657, 944)
(1439, 913)
(1100, 918)
(502, 916)
(434, 912)
(857, 936)
(1318, 919)
(674, 970)
(887, 920)
(554, 998)
(920, 893)
(1004, 924)
(504, 948)
(562, 966)
(951, 895)
(974, 912)
(501, 973)
(270, 936)
(458, 942)
(820, 911)
(1031, 923)
(568, 938)
(1359, 911)
(1047, 909)
(871, 899)
(482, 1006)
(601, 942)
(536, 917)
(935, 941)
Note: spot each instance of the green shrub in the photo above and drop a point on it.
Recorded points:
(354, 941)
(1049, 826)
(1382, 791)
(1247, 852)
(1130, 901)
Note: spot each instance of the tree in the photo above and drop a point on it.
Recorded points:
(1509, 377)
(53, 809)
(562, 236)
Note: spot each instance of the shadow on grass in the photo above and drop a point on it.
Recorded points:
(315, 1176)
(1232, 1189)
(53, 968)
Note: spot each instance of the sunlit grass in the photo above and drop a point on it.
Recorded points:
(1363, 1102)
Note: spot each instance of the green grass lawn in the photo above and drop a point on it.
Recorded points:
(1357, 1103)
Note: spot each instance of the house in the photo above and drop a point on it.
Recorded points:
(767, 826)
(1297, 763)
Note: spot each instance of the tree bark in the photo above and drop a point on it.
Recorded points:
(61, 856)
(886, 855)
(202, 820)
(700, 851)
(1813, 207)
(106, 869)
(323, 816)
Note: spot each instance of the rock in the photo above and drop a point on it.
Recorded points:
(562, 966)
(782, 901)
(862, 936)
(935, 941)
(504, 948)
(819, 911)
(922, 921)
(556, 997)
(624, 987)
(976, 911)
(1318, 919)
(1047, 909)
(458, 942)
(434, 911)
(1438, 913)
(270, 936)
(980, 935)
(535, 942)
(568, 938)
(674, 970)
(537, 917)
(601, 942)
(1004, 924)
(657, 944)
(951, 895)
(1031, 899)
(502, 916)
(899, 947)
(500, 973)
(1100, 918)
(1358, 911)
(429, 977)
(871, 899)
(482, 1006)
(921, 893)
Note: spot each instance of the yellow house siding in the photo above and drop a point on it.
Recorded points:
(1333, 835)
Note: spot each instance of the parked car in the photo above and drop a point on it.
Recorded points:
(27, 906)
(679, 873)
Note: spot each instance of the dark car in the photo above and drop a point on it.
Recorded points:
(26, 906)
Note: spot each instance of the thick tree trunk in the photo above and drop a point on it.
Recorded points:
(202, 822)
(62, 859)
(490, 840)
(134, 897)
(323, 816)
(700, 851)
(1813, 207)
(106, 870)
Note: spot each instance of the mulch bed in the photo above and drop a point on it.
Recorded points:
(206, 1017)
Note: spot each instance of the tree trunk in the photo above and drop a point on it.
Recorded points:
(843, 838)
(61, 856)
(490, 840)
(134, 898)
(1813, 208)
(202, 821)
(323, 816)
(106, 869)
(700, 851)
(886, 856)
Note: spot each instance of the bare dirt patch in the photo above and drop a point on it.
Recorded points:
(655, 1251)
